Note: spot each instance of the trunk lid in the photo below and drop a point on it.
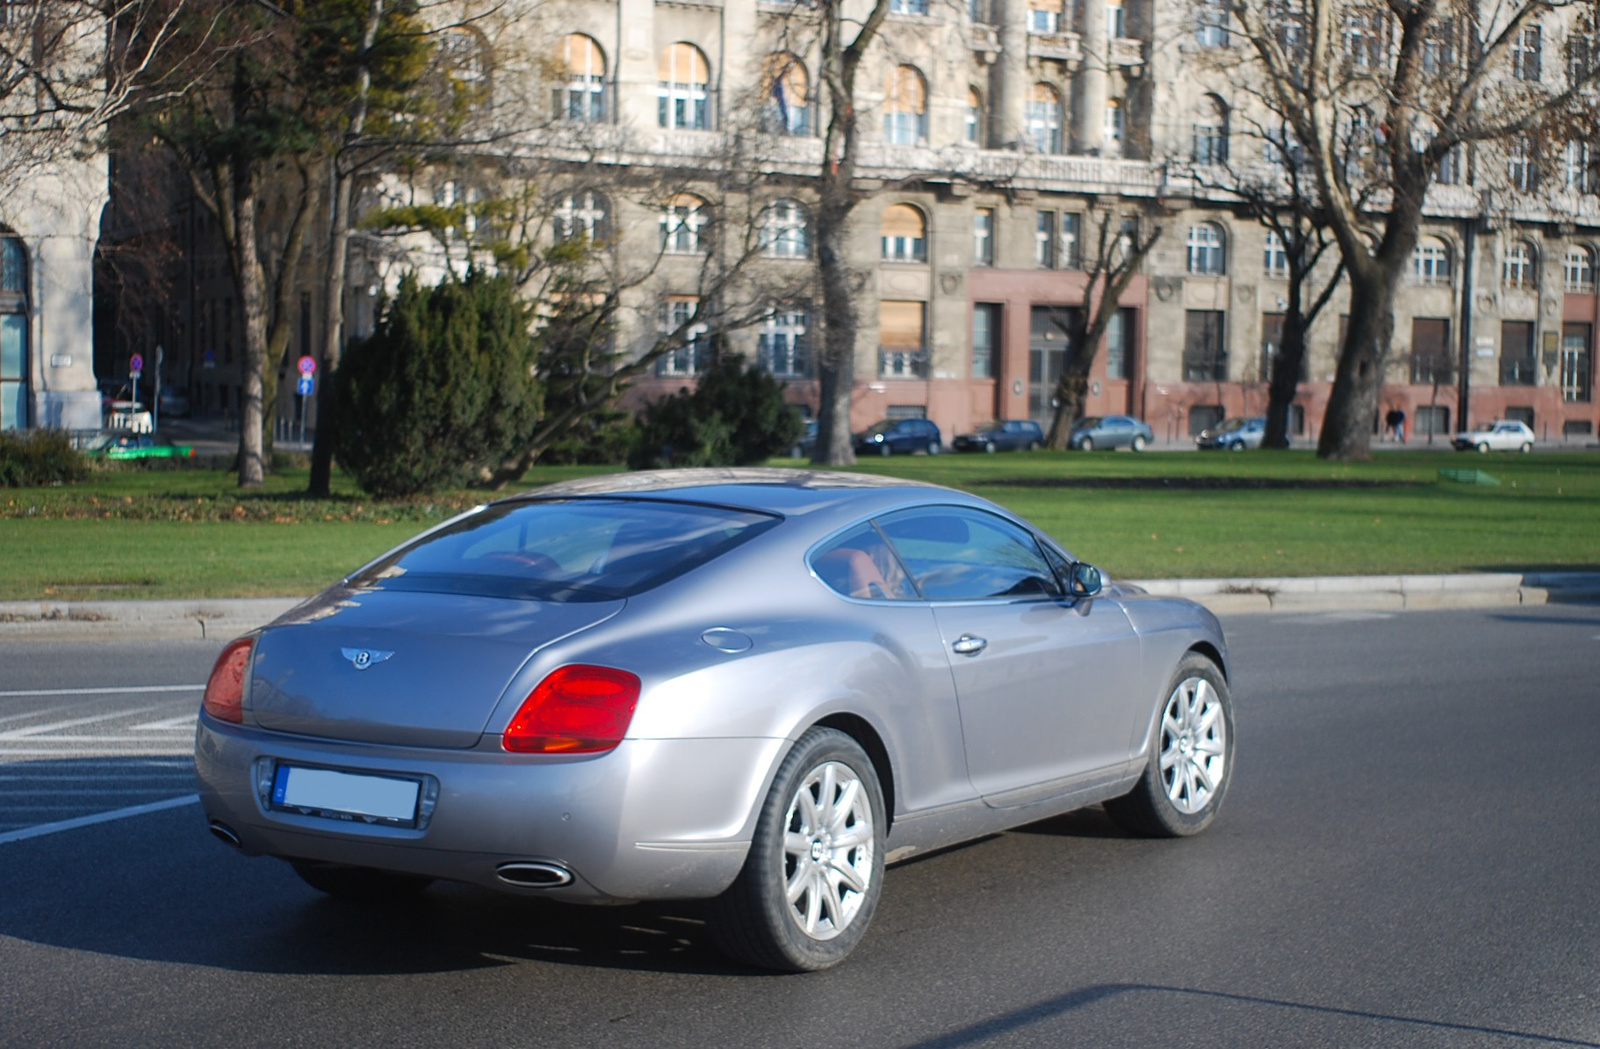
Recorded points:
(403, 668)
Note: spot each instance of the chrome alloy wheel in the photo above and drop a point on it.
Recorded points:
(827, 850)
(1194, 745)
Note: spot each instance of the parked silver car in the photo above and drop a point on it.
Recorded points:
(754, 686)
(1234, 435)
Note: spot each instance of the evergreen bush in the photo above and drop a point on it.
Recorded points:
(736, 416)
(38, 457)
(443, 391)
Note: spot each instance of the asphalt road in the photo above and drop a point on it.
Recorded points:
(1409, 857)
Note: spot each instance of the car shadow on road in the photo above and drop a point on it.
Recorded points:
(158, 887)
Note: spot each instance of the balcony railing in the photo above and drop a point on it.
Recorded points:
(898, 362)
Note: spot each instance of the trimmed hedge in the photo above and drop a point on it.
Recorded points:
(39, 457)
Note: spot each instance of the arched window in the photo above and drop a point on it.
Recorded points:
(1044, 118)
(905, 111)
(785, 231)
(13, 333)
(684, 221)
(683, 88)
(1518, 269)
(1207, 252)
(904, 234)
(974, 126)
(584, 97)
(787, 110)
(1210, 137)
(1577, 269)
(582, 213)
(1430, 261)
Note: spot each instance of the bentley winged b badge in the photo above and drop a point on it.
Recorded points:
(362, 658)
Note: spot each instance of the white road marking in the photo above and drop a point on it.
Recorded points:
(100, 817)
(184, 722)
(39, 730)
(116, 691)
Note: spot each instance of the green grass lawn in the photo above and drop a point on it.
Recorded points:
(161, 533)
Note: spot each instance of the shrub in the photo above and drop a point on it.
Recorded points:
(38, 457)
(443, 390)
(736, 416)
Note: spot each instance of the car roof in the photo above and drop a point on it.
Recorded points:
(773, 489)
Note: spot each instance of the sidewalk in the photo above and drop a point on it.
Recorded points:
(219, 620)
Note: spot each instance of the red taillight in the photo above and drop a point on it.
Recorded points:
(575, 710)
(225, 688)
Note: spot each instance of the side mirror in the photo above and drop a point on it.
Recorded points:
(1085, 580)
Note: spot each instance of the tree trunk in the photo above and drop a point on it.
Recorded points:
(836, 363)
(253, 313)
(321, 481)
(1347, 425)
(1072, 393)
(1284, 382)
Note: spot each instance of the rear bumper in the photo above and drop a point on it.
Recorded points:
(653, 819)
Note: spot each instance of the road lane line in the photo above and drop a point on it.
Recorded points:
(120, 690)
(101, 817)
(39, 730)
(183, 722)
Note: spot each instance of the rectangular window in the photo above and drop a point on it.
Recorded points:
(1070, 254)
(1271, 342)
(783, 345)
(985, 338)
(1525, 54)
(1432, 420)
(1044, 17)
(1204, 417)
(686, 357)
(1205, 355)
(902, 347)
(1518, 365)
(983, 237)
(1275, 260)
(1044, 240)
(1118, 334)
(1577, 363)
(1432, 363)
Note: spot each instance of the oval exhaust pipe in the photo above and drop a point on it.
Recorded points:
(225, 834)
(529, 875)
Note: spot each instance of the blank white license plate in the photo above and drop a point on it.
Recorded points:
(330, 791)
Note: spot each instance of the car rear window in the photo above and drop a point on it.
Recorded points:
(566, 549)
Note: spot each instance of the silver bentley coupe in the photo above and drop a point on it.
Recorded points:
(754, 687)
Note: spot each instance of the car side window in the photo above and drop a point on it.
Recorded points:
(860, 564)
(956, 554)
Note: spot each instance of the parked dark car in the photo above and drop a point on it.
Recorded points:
(807, 443)
(1007, 436)
(1234, 435)
(1110, 431)
(174, 403)
(890, 436)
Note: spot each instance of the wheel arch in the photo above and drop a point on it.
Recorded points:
(861, 730)
(1207, 649)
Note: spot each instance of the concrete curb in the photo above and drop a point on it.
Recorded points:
(219, 620)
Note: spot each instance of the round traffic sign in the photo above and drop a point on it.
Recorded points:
(136, 363)
(307, 364)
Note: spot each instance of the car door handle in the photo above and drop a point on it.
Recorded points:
(968, 645)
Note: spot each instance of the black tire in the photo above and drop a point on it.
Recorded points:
(1086, 445)
(1033, 446)
(359, 883)
(1526, 448)
(884, 449)
(1138, 444)
(934, 448)
(988, 446)
(753, 921)
(1150, 808)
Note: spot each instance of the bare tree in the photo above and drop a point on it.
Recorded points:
(1121, 242)
(1379, 95)
(1278, 189)
(68, 68)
